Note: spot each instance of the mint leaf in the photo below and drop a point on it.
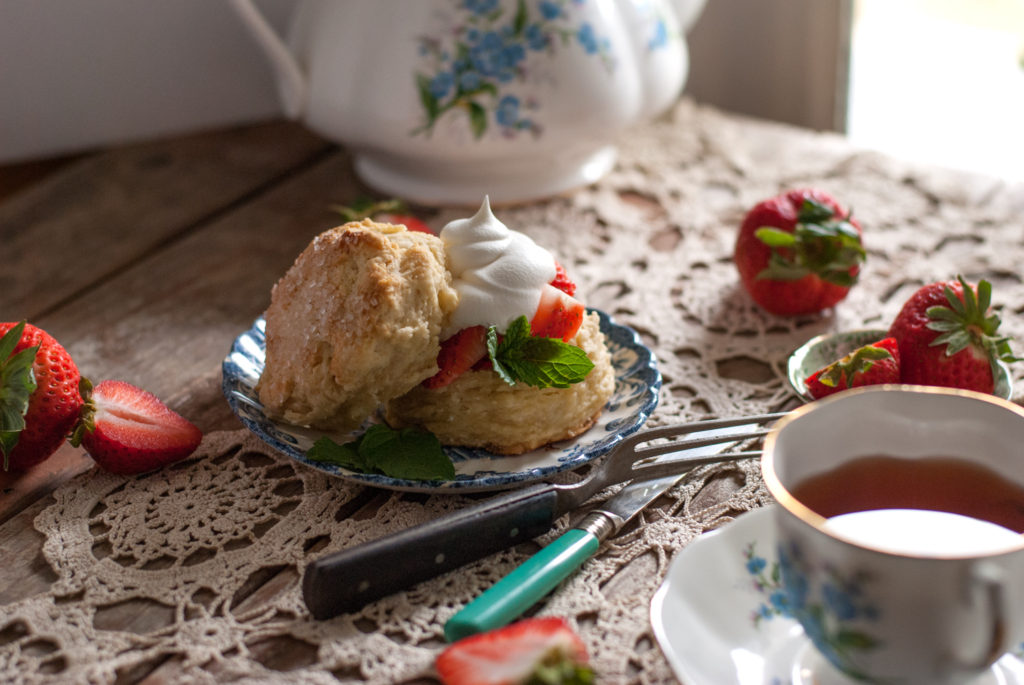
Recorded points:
(408, 453)
(329, 452)
(538, 362)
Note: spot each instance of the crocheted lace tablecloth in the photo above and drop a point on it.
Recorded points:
(218, 543)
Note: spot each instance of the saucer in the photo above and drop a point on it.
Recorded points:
(822, 350)
(714, 618)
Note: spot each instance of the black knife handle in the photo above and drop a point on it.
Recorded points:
(350, 579)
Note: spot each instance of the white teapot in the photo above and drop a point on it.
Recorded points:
(445, 101)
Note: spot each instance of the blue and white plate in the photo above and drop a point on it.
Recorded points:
(822, 350)
(637, 381)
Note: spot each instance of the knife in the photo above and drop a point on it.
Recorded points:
(507, 599)
(349, 579)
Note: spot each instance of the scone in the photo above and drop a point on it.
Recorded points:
(356, 321)
(479, 409)
(372, 315)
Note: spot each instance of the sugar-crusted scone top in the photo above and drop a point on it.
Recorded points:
(354, 322)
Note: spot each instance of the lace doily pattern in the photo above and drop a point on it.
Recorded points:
(191, 574)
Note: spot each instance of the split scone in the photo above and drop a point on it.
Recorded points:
(355, 322)
(374, 316)
(479, 409)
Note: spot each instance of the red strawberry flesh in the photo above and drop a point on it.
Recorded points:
(459, 353)
(511, 655)
(133, 431)
(558, 315)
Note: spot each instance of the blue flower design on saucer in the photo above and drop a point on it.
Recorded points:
(637, 383)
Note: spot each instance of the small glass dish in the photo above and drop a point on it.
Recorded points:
(824, 349)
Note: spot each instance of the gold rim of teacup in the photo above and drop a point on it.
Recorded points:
(786, 500)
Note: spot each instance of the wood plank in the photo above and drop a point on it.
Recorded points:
(103, 212)
(171, 318)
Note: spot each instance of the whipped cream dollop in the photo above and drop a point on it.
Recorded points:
(499, 273)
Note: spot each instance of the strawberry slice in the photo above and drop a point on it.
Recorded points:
(128, 430)
(558, 315)
(562, 280)
(872, 364)
(543, 650)
(458, 354)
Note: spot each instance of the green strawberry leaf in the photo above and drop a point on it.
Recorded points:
(774, 237)
(408, 453)
(539, 362)
(812, 211)
(821, 243)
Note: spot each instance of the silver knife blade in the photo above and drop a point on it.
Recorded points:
(610, 517)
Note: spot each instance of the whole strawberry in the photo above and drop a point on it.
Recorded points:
(39, 396)
(799, 252)
(872, 364)
(948, 337)
(127, 430)
(387, 211)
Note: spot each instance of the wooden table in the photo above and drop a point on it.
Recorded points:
(147, 260)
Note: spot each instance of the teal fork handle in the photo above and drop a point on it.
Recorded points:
(507, 599)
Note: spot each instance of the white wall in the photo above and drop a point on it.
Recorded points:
(76, 74)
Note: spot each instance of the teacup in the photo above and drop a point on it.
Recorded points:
(900, 520)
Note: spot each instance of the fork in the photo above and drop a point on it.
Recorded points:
(349, 579)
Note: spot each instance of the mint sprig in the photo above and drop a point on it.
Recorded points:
(17, 383)
(408, 454)
(519, 357)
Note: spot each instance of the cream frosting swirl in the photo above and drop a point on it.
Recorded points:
(499, 273)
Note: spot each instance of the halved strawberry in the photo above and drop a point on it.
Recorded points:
(128, 430)
(562, 281)
(872, 364)
(558, 315)
(458, 354)
(542, 650)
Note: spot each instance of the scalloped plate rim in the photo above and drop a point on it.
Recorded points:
(563, 456)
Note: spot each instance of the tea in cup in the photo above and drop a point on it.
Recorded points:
(901, 530)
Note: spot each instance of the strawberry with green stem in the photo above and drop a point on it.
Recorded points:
(387, 211)
(799, 252)
(948, 337)
(39, 395)
(872, 364)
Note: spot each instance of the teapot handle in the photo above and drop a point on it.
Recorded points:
(291, 82)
